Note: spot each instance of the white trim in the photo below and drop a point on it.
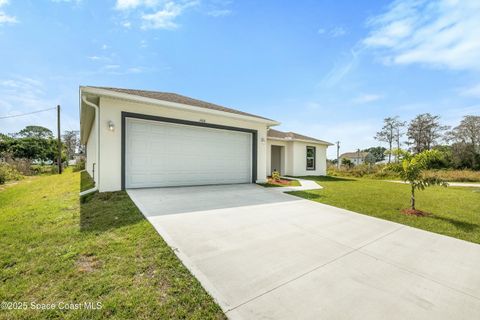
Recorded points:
(132, 97)
(97, 147)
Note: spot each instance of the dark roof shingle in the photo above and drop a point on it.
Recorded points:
(176, 98)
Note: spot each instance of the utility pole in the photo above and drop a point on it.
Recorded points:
(338, 154)
(59, 142)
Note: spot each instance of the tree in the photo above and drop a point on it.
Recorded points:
(412, 169)
(370, 159)
(35, 132)
(391, 132)
(347, 162)
(71, 142)
(398, 134)
(466, 142)
(424, 131)
(377, 152)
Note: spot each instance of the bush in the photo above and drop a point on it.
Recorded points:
(79, 166)
(275, 175)
(8, 173)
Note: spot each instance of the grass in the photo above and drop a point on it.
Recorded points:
(274, 184)
(54, 250)
(454, 211)
(86, 181)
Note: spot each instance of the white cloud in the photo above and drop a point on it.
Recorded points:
(339, 71)
(132, 4)
(334, 32)
(219, 12)
(127, 24)
(24, 94)
(104, 47)
(366, 98)
(473, 91)
(435, 33)
(165, 18)
(4, 17)
(338, 32)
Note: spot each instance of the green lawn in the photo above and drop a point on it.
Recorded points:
(53, 250)
(454, 211)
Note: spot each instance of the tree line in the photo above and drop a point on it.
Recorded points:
(36, 143)
(460, 145)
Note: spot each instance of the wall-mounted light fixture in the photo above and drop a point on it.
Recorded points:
(111, 125)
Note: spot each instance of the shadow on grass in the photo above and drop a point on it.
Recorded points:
(462, 225)
(86, 181)
(309, 195)
(108, 210)
(325, 178)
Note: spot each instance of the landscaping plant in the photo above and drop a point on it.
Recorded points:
(412, 171)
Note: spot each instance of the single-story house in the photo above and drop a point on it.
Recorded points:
(355, 157)
(137, 139)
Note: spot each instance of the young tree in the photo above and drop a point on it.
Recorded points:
(424, 131)
(413, 166)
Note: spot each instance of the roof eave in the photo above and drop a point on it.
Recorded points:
(132, 97)
(302, 140)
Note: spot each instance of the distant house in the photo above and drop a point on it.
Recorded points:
(354, 157)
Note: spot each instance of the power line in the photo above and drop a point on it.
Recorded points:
(26, 114)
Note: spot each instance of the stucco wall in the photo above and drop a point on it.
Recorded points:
(110, 150)
(92, 152)
(300, 162)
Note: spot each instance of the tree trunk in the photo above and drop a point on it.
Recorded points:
(390, 153)
(413, 198)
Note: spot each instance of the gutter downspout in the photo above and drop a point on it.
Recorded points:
(97, 147)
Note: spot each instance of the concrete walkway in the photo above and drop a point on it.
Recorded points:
(264, 254)
(304, 186)
(452, 184)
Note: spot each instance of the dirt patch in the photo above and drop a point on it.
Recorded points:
(87, 263)
(417, 213)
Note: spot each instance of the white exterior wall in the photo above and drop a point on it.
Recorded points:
(92, 152)
(300, 159)
(296, 158)
(110, 150)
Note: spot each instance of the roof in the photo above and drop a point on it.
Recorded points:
(354, 155)
(293, 136)
(177, 98)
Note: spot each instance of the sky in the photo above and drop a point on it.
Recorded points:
(328, 69)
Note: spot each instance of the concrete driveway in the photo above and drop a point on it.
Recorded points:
(263, 254)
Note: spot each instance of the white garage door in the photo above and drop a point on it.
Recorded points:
(161, 154)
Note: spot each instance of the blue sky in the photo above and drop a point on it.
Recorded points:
(329, 69)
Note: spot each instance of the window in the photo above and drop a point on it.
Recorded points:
(311, 158)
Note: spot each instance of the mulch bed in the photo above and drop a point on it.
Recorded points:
(280, 182)
(417, 213)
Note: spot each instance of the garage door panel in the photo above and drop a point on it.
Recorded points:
(166, 154)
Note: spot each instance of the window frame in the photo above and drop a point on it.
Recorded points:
(314, 158)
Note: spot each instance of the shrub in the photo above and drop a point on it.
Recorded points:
(8, 172)
(79, 166)
(275, 175)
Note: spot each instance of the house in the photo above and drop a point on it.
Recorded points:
(137, 139)
(355, 157)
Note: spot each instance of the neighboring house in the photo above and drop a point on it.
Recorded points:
(137, 139)
(354, 157)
